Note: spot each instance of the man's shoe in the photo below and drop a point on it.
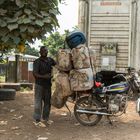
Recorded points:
(39, 123)
(49, 122)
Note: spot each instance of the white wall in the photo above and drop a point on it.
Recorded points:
(137, 61)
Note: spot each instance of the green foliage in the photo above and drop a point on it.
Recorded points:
(55, 41)
(22, 89)
(31, 51)
(2, 60)
(2, 78)
(25, 20)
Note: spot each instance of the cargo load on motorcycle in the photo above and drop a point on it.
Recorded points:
(74, 71)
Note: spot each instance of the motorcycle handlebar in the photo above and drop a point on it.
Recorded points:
(120, 75)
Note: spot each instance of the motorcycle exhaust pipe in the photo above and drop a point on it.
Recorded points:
(92, 112)
(138, 106)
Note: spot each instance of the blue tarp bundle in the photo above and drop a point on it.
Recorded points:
(75, 38)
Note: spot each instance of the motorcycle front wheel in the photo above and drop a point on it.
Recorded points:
(82, 111)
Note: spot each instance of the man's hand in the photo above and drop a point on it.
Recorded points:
(47, 76)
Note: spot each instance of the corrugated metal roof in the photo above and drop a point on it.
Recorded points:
(24, 57)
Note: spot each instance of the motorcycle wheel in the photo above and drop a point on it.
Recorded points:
(87, 119)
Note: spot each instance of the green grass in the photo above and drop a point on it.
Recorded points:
(2, 79)
(22, 89)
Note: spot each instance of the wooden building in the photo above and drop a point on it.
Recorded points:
(20, 70)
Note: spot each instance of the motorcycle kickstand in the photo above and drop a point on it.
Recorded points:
(68, 109)
(110, 122)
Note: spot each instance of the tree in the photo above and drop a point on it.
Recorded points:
(31, 51)
(26, 20)
(55, 41)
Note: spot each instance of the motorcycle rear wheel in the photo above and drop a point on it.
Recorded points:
(86, 119)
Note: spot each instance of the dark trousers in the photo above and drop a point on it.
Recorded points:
(42, 102)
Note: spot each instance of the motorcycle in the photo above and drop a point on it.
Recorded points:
(107, 100)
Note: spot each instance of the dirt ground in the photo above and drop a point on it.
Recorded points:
(16, 123)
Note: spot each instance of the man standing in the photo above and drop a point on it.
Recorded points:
(42, 72)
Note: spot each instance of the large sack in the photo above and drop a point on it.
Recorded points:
(60, 88)
(57, 101)
(60, 83)
(75, 38)
(81, 79)
(80, 57)
(64, 59)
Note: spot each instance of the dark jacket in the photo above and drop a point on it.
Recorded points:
(43, 67)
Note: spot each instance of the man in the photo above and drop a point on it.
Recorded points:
(42, 72)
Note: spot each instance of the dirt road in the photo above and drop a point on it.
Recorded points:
(16, 123)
